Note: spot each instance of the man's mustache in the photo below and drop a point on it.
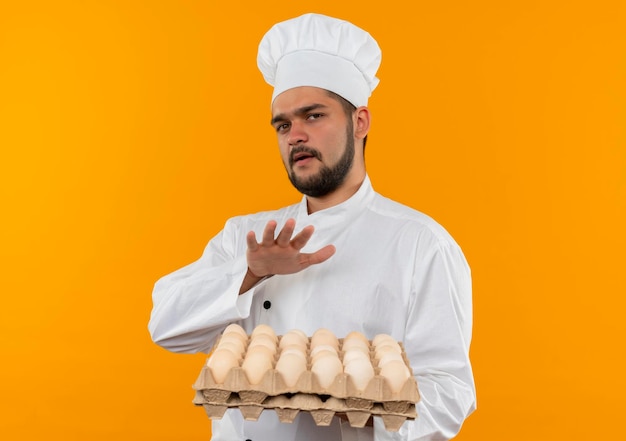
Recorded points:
(303, 149)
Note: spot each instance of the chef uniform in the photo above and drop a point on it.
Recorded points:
(395, 270)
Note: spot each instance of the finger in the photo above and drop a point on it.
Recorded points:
(268, 233)
(251, 241)
(285, 234)
(301, 239)
(319, 256)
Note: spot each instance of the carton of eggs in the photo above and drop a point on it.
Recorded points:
(321, 374)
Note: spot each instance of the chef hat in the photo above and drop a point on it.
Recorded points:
(320, 51)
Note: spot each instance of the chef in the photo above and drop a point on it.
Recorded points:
(344, 258)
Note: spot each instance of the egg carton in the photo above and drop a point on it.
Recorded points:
(322, 399)
(272, 384)
(321, 408)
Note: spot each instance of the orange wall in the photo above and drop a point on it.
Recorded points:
(130, 131)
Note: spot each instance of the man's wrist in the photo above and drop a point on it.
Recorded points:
(250, 280)
(249, 273)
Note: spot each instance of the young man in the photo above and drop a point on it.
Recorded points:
(344, 258)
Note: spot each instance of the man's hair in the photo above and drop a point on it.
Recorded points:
(348, 108)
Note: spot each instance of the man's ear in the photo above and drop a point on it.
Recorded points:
(361, 122)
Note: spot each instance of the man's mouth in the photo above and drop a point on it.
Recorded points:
(301, 157)
(302, 154)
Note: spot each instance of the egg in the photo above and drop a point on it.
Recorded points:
(355, 343)
(319, 348)
(324, 336)
(234, 347)
(291, 366)
(323, 353)
(261, 349)
(295, 350)
(389, 356)
(326, 368)
(393, 344)
(293, 338)
(220, 363)
(380, 338)
(233, 337)
(381, 350)
(353, 354)
(255, 365)
(396, 374)
(361, 371)
(355, 335)
(294, 346)
(263, 340)
(264, 330)
(301, 333)
(235, 329)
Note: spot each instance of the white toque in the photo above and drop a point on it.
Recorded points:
(320, 51)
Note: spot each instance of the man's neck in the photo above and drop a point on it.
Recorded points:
(342, 194)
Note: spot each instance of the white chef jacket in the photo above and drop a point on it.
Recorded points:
(395, 271)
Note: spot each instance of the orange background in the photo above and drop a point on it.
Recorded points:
(131, 130)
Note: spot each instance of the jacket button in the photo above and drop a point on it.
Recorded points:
(267, 305)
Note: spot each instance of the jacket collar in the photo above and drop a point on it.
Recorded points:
(342, 212)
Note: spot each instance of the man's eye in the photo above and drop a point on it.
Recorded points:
(314, 116)
(282, 127)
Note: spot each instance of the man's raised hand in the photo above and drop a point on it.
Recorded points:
(281, 255)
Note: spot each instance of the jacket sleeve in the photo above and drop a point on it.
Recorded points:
(192, 305)
(437, 340)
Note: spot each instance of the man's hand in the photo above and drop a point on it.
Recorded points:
(281, 255)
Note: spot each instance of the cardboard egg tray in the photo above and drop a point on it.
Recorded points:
(341, 398)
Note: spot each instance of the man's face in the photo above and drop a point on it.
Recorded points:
(316, 139)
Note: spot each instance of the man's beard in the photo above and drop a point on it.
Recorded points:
(328, 179)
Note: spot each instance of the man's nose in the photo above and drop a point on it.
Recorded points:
(297, 133)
